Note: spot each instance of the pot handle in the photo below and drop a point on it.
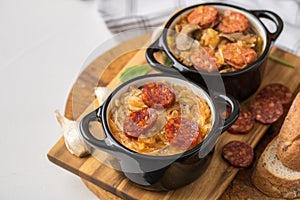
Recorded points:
(235, 111)
(88, 136)
(274, 18)
(153, 48)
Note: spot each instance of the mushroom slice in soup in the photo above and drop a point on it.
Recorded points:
(248, 40)
(184, 38)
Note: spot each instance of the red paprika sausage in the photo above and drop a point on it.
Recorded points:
(202, 60)
(244, 124)
(158, 95)
(139, 121)
(205, 16)
(237, 56)
(233, 22)
(278, 90)
(238, 154)
(267, 111)
(182, 132)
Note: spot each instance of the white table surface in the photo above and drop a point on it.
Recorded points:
(42, 46)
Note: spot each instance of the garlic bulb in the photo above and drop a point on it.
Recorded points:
(101, 94)
(73, 139)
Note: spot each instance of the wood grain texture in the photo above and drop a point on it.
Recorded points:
(242, 187)
(108, 183)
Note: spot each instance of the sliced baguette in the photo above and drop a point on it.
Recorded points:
(288, 150)
(273, 178)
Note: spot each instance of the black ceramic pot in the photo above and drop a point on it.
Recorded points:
(240, 84)
(161, 172)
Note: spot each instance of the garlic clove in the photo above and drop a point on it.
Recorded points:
(73, 139)
(101, 94)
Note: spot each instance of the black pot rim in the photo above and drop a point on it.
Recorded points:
(262, 57)
(103, 113)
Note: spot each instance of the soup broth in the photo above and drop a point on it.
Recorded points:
(159, 118)
(210, 39)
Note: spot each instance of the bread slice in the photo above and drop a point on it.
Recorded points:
(273, 178)
(288, 150)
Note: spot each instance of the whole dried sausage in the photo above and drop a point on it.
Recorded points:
(205, 16)
(233, 22)
(158, 95)
(238, 154)
(182, 132)
(202, 60)
(276, 90)
(267, 110)
(244, 124)
(237, 56)
(136, 123)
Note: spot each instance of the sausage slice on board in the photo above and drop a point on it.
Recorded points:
(282, 92)
(268, 110)
(244, 124)
(238, 154)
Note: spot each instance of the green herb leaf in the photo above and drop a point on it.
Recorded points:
(275, 58)
(167, 61)
(134, 71)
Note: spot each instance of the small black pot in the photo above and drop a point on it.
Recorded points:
(161, 172)
(240, 84)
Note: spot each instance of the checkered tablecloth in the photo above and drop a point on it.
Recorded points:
(122, 15)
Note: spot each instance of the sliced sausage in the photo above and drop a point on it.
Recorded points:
(244, 124)
(238, 154)
(205, 16)
(276, 90)
(158, 95)
(233, 22)
(267, 111)
(182, 132)
(237, 56)
(202, 60)
(139, 121)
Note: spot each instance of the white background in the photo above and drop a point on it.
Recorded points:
(42, 46)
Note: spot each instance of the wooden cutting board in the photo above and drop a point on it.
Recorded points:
(107, 183)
